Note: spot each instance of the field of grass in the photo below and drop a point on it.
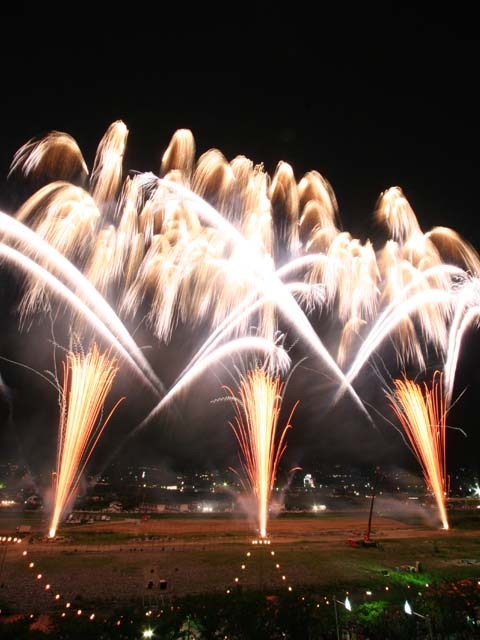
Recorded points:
(126, 560)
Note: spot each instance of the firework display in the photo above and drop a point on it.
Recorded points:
(255, 427)
(87, 380)
(422, 414)
(255, 260)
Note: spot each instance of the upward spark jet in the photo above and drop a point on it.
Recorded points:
(87, 382)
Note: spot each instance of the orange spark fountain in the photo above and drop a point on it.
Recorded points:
(423, 418)
(87, 381)
(255, 427)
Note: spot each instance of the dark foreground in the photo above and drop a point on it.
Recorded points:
(207, 577)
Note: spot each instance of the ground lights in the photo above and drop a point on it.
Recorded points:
(48, 586)
(368, 594)
(262, 542)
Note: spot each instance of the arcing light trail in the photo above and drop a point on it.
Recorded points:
(169, 209)
(312, 293)
(431, 303)
(176, 199)
(470, 317)
(274, 356)
(262, 276)
(87, 382)
(446, 300)
(79, 293)
(57, 287)
(422, 413)
(273, 288)
(466, 315)
(255, 426)
(168, 195)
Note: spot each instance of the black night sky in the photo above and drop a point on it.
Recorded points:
(369, 101)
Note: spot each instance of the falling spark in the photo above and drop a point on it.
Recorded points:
(410, 299)
(206, 235)
(266, 281)
(422, 414)
(255, 426)
(212, 243)
(76, 290)
(87, 382)
(466, 316)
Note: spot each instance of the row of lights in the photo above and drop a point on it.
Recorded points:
(147, 633)
(259, 542)
(39, 576)
(57, 596)
(262, 541)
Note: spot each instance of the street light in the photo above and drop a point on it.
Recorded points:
(408, 609)
(347, 606)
